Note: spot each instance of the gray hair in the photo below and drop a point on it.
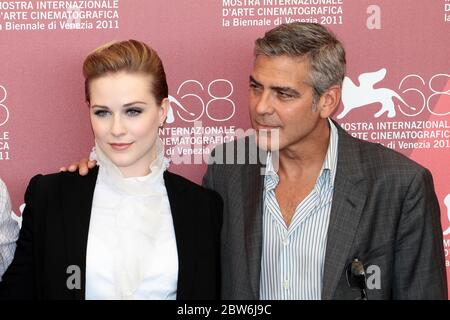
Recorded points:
(324, 53)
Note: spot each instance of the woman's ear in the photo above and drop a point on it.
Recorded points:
(164, 109)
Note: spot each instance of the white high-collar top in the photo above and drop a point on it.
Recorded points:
(131, 250)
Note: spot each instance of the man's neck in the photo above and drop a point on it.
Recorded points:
(305, 157)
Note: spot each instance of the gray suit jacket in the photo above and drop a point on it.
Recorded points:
(384, 212)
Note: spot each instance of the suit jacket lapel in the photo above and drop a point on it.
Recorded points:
(184, 232)
(76, 195)
(349, 197)
(252, 197)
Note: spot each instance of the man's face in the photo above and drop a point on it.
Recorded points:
(281, 99)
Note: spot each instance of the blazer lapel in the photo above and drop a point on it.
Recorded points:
(252, 199)
(184, 227)
(76, 194)
(252, 195)
(349, 197)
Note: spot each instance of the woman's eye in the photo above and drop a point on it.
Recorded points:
(101, 113)
(133, 112)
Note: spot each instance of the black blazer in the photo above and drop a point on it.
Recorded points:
(55, 230)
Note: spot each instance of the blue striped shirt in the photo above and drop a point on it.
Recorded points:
(293, 257)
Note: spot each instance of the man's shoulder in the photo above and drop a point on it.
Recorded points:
(242, 152)
(5, 202)
(247, 141)
(376, 157)
(3, 189)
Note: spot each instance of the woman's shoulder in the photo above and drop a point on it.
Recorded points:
(55, 180)
(205, 203)
(179, 183)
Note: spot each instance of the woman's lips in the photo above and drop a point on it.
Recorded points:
(120, 146)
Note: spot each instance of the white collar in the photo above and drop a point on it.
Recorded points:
(151, 184)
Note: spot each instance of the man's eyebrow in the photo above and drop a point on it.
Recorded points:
(285, 90)
(254, 81)
(276, 88)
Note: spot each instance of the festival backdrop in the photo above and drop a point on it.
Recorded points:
(397, 89)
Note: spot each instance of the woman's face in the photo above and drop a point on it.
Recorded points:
(125, 118)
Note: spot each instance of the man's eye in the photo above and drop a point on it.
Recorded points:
(254, 87)
(133, 112)
(101, 113)
(284, 95)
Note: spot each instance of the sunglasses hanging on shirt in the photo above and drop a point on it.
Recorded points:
(356, 277)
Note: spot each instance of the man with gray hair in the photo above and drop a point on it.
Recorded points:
(9, 230)
(341, 218)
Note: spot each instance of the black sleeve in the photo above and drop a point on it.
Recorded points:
(217, 213)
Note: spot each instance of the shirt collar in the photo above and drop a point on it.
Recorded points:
(271, 180)
(330, 162)
(148, 185)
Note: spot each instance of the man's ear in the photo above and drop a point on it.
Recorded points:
(329, 101)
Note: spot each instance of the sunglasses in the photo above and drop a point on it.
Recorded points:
(356, 277)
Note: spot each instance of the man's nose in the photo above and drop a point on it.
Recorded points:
(264, 103)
